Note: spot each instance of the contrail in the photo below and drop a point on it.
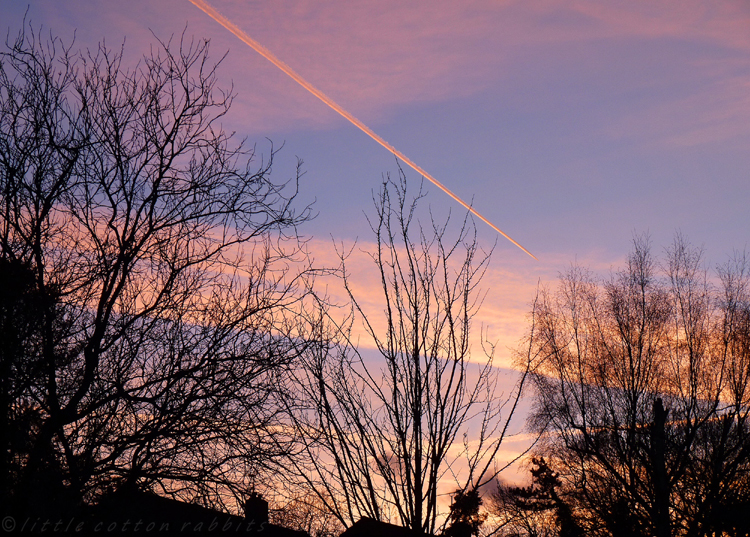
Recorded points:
(263, 51)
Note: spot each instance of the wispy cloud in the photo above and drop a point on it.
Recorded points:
(508, 284)
(376, 57)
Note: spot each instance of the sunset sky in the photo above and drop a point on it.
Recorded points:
(571, 125)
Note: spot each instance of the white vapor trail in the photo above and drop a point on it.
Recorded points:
(263, 51)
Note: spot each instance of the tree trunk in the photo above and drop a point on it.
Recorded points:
(659, 472)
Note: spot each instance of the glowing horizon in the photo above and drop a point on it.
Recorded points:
(263, 51)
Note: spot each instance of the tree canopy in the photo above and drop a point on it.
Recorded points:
(642, 387)
(150, 262)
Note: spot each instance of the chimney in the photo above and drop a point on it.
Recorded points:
(256, 509)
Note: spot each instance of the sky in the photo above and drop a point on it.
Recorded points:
(571, 125)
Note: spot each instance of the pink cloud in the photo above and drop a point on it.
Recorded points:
(376, 57)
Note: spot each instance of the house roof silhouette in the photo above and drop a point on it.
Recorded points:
(369, 527)
(138, 512)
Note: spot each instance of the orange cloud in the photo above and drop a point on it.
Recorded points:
(510, 285)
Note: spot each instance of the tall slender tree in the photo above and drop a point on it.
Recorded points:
(382, 437)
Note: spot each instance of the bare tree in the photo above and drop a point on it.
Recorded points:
(304, 513)
(643, 386)
(165, 262)
(382, 438)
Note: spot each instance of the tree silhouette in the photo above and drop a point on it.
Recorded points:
(154, 268)
(20, 308)
(379, 439)
(465, 519)
(540, 509)
(642, 384)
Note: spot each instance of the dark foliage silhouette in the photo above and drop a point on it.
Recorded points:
(537, 510)
(465, 519)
